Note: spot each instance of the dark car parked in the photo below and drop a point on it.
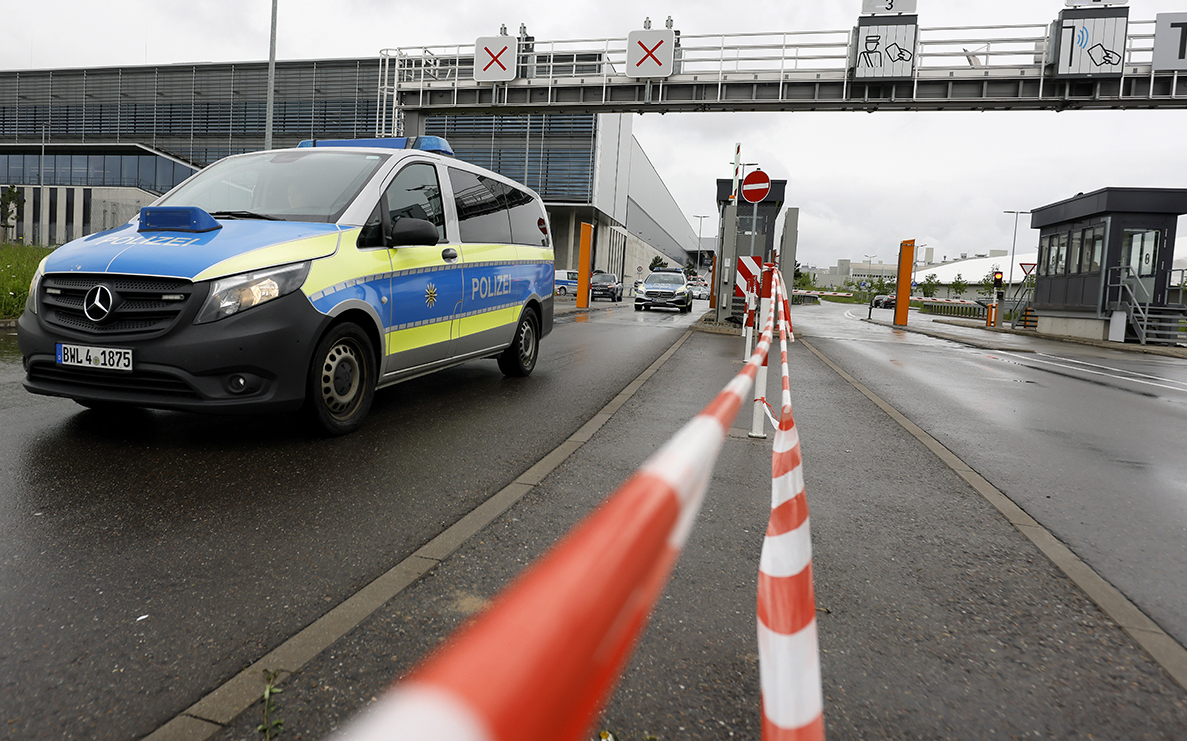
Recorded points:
(606, 285)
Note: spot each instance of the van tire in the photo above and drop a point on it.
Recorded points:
(519, 359)
(341, 379)
(561, 291)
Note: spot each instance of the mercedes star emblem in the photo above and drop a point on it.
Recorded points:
(97, 304)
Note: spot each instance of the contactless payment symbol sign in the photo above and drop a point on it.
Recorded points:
(650, 53)
(494, 59)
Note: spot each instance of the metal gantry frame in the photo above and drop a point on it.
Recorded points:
(956, 68)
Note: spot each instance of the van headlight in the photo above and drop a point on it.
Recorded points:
(238, 293)
(31, 299)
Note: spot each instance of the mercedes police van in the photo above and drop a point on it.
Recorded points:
(297, 277)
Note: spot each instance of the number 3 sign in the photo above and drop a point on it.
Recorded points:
(888, 6)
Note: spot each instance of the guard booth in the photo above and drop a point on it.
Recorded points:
(1104, 269)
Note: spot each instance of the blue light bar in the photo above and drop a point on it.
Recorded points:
(176, 219)
(433, 144)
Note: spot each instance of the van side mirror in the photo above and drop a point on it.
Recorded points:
(407, 232)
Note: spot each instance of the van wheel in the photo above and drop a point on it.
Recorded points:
(341, 379)
(561, 291)
(519, 359)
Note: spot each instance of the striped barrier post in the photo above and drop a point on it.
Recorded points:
(788, 652)
(749, 317)
(760, 386)
(542, 660)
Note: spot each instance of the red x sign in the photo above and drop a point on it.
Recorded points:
(494, 59)
(650, 53)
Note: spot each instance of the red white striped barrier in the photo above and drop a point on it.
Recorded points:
(798, 292)
(949, 301)
(788, 652)
(542, 660)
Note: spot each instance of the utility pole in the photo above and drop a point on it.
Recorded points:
(271, 81)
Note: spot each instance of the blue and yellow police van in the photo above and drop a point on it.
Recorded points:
(305, 277)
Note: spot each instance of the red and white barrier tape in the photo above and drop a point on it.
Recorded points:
(788, 652)
(542, 660)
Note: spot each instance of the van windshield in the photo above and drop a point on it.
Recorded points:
(291, 186)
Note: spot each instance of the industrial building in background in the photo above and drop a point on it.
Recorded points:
(89, 147)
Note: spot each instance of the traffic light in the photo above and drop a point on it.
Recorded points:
(997, 279)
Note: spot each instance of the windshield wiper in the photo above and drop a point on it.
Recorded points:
(242, 215)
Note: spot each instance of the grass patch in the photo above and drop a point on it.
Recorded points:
(17, 264)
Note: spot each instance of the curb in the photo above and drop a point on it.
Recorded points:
(950, 337)
(223, 704)
(1170, 352)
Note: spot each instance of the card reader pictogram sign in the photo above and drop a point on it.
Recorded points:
(650, 53)
(494, 59)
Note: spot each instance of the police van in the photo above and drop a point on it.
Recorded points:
(565, 282)
(305, 277)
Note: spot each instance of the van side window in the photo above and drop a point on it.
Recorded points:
(529, 224)
(416, 194)
(481, 212)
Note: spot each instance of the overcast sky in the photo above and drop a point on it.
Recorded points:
(863, 181)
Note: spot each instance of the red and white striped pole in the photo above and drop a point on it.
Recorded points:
(749, 317)
(541, 661)
(788, 651)
(760, 383)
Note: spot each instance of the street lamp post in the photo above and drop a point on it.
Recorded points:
(869, 298)
(700, 222)
(41, 186)
(1013, 247)
(271, 81)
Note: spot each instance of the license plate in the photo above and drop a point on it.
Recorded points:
(106, 358)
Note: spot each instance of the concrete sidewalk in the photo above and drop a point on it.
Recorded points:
(937, 618)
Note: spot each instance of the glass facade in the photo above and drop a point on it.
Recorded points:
(148, 172)
(198, 112)
(553, 154)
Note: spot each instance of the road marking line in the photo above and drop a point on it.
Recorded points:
(229, 700)
(1110, 368)
(1113, 375)
(1162, 647)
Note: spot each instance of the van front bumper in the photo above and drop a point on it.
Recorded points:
(254, 361)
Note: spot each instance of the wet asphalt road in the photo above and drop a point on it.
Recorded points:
(147, 558)
(937, 618)
(1087, 440)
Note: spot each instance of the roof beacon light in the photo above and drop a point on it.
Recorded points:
(433, 144)
(176, 219)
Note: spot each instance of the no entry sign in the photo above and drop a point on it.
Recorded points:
(756, 186)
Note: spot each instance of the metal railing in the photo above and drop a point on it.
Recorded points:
(434, 75)
(1021, 300)
(1127, 300)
